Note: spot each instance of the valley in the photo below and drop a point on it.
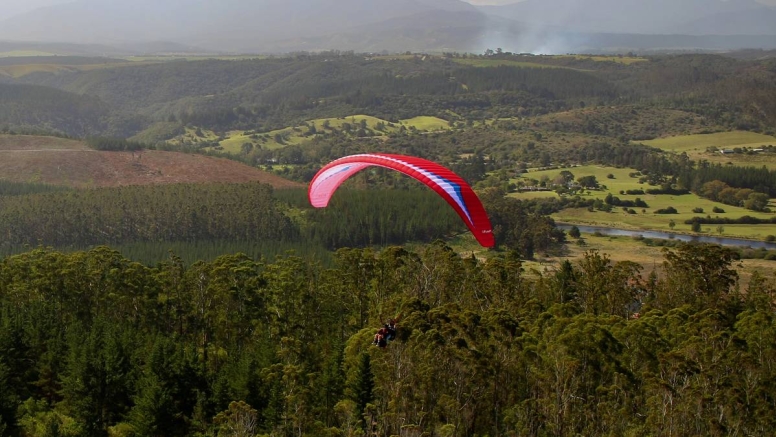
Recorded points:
(163, 271)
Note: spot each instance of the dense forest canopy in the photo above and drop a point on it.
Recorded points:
(94, 343)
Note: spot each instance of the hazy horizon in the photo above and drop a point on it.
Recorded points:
(536, 26)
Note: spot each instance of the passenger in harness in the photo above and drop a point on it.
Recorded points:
(381, 339)
(386, 333)
(391, 327)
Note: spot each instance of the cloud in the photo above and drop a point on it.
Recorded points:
(11, 8)
(506, 2)
(494, 2)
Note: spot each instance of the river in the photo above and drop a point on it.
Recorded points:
(723, 241)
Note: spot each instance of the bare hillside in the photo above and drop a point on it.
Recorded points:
(60, 161)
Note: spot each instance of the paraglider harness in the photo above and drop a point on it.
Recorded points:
(386, 333)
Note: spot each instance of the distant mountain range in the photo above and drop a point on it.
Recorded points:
(263, 26)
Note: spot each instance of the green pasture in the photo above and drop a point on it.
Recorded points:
(621, 179)
(425, 123)
(235, 139)
(297, 135)
(720, 140)
(648, 219)
(742, 160)
(622, 248)
(157, 132)
(526, 195)
(696, 147)
(190, 136)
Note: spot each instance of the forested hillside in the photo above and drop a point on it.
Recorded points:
(273, 93)
(268, 93)
(189, 215)
(46, 109)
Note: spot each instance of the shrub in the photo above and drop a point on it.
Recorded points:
(669, 210)
(671, 191)
(697, 210)
(770, 238)
(718, 210)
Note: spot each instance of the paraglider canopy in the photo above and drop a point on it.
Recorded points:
(447, 184)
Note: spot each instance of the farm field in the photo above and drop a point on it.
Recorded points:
(758, 160)
(646, 218)
(696, 147)
(57, 161)
(525, 195)
(699, 142)
(32, 142)
(649, 257)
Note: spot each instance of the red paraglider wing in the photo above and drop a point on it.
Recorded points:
(447, 184)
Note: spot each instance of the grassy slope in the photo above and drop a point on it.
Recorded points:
(695, 146)
(721, 140)
(297, 135)
(649, 220)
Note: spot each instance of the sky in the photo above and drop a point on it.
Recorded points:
(506, 2)
(490, 2)
(10, 8)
